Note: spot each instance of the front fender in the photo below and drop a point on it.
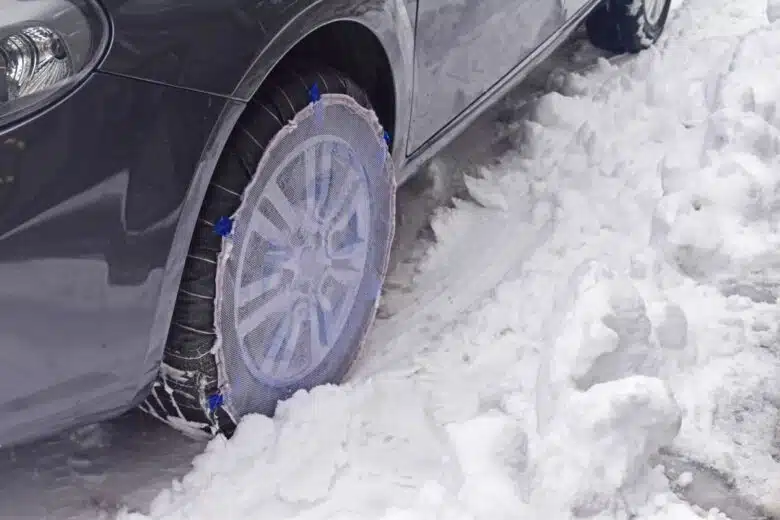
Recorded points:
(388, 20)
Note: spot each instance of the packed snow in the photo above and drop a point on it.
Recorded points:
(593, 333)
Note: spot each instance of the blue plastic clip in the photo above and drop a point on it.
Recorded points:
(314, 97)
(215, 401)
(314, 93)
(383, 151)
(223, 226)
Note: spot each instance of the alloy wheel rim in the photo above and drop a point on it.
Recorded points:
(302, 261)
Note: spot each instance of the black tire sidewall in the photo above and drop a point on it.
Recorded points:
(649, 30)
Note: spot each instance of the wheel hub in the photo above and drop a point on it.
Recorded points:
(310, 263)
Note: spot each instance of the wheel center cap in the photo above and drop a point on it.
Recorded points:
(310, 263)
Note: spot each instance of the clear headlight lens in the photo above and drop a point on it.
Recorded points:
(46, 46)
(34, 59)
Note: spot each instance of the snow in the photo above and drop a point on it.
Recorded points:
(592, 334)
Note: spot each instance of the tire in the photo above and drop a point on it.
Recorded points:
(215, 369)
(627, 25)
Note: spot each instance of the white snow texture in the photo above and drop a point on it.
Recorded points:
(628, 251)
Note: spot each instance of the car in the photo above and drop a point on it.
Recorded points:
(197, 199)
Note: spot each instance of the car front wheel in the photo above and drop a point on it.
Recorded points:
(287, 262)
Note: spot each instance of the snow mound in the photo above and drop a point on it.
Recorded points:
(719, 214)
(605, 335)
(600, 444)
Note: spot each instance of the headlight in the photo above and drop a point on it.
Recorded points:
(46, 47)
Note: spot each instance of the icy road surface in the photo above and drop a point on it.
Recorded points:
(604, 290)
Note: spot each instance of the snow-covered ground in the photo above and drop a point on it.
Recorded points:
(593, 333)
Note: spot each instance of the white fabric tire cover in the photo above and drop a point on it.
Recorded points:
(300, 275)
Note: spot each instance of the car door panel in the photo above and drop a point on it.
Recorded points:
(463, 47)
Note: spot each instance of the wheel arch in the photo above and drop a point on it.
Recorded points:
(384, 25)
(387, 21)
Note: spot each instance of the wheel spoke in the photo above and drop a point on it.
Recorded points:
(289, 213)
(335, 199)
(333, 194)
(277, 303)
(257, 288)
(324, 302)
(326, 168)
(325, 182)
(318, 330)
(269, 231)
(347, 224)
(310, 179)
(279, 339)
(341, 203)
(294, 328)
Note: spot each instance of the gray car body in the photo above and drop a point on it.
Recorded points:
(104, 186)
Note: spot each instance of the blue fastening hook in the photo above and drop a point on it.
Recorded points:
(314, 93)
(386, 136)
(215, 401)
(314, 97)
(223, 226)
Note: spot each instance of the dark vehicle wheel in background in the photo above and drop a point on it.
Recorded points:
(287, 262)
(627, 25)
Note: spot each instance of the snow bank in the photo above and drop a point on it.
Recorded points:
(629, 252)
(600, 443)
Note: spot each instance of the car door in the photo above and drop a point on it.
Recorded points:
(463, 47)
